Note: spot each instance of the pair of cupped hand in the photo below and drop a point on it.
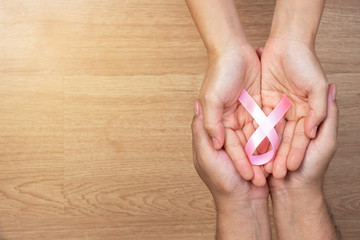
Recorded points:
(282, 67)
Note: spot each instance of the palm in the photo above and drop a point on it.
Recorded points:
(290, 69)
(224, 81)
(230, 181)
(318, 155)
(247, 76)
(308, 172)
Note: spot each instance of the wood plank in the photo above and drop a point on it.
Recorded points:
(96, 104)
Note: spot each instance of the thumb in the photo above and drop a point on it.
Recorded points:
(326, 139)
(259, 51)
(328, 129)
(213, 112)
(317, 112)
(201, 139)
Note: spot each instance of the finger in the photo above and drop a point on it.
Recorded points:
(259, 177)
(328, 129)
(279, 128)
(268, 167)
(213, 111)
(263, 146)
(267, 110)
(248, 130)
(317, 112)
(237, 154)
(280, 169)
(298, 146)
(201, 140)
(241, 137)
(326, 139)
(266, 174)
(259, 51)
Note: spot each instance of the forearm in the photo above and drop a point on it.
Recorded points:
(243, 221)
(297, 19)
(303, 215)
(218, 24)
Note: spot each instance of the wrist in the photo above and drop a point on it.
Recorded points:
(234, 49)
(297, 20)
(282, 189)
(302, 214)
(240, 219)
(289, 28)
(239, 204)
(294, 197)
(240, 55)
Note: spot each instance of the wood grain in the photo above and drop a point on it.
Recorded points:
(96, 104)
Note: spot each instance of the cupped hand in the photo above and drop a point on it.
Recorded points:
(292, 68)
(226, 121)
(321, 149)
(216, 168)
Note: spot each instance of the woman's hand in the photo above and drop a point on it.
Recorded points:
(229, 73)
(291, 68)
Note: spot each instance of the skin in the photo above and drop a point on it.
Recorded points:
(289, 66)
(300, 209)
(299, 205)
(233, 65)
(238, 202)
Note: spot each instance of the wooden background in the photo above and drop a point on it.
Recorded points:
(95, 110)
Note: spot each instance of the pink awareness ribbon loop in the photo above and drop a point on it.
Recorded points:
(265, 129)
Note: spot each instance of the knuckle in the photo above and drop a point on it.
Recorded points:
(322, 114)
(299, 134)
(333, 147)
(286, 139)
(280, 156)
(323, 85)
(318, 114)
(209, 126)
(209, 98)
(231, 145)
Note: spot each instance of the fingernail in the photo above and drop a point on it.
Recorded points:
(313, 132)
(333, 93)
(196, 108)
(215, 143)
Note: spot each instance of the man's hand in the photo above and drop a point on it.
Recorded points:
(300, 209)
(242, 207)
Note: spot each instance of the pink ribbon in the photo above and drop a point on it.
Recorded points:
(265, 129)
